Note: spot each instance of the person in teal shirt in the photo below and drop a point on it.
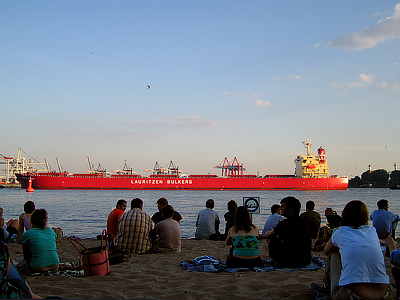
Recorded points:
(39, 245)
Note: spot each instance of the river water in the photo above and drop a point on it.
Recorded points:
(83, 213)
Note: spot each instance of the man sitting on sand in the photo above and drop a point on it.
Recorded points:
(312, 219)
(289, 243)
(273, 219)
(113, 218)
(158, 216)
(134, 230)
(207, 221)
(384, 221)
(7, 230)
(167, 233)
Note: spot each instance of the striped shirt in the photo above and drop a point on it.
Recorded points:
(134, 232)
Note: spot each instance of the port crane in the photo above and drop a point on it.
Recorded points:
(230, 168)
(20, 165)
(172, 169)
(124, 170)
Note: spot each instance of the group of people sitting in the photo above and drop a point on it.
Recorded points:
(38, 247)
(133, 232)
(356, 266)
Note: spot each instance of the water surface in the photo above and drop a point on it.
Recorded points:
(83, 213)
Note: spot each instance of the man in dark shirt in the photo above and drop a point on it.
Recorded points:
(158, 216)
(312, 219)
(289, 243)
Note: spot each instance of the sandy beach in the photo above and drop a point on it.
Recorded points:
(161, 276)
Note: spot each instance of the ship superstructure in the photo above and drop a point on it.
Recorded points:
(311, 166)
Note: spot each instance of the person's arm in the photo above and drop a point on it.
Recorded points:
(197, 221)
(394, 253)
(270, 234)
(330, 247)
(20, 229)
(228, 240)
(217, 224)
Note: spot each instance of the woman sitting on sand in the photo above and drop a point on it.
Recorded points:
(39, 245)
(243, 237)
(25, 219)
(359, 271)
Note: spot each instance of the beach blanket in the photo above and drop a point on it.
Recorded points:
(211, 264)
(67, 269)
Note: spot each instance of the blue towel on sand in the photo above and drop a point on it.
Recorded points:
(211, 264)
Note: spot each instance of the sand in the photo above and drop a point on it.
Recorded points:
(160, 276)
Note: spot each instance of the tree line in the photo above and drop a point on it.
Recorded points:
(376, 179)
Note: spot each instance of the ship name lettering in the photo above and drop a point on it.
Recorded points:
(179, 181)
(147, 181)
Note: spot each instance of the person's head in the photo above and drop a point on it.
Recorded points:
(383, 204)
(329, 211)
(232, 206)
(355, 214)
(310, 205)
(39, 218)
(243, 219)
(122, 204)
(29, 207)
(210, 203)
(290, 206)
(161, 203)
(275, 208)
(1, 212)
(136, 203)
(167, 211)
(334, 221)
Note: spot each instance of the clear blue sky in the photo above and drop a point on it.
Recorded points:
(251, 79)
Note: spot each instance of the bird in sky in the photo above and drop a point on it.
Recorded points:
(148, 87)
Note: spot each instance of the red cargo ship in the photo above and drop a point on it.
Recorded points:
(311, 174)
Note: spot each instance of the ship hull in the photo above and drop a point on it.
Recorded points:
(57, 182)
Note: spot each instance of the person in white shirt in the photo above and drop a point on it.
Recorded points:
(207, 221)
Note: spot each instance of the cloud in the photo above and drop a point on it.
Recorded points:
(383, 84)
(367, 78)
(291, 77)
(294, 77)
(364, 81)
(171, 121)
(261, 103)
(181, 121)
(369, 37)
(257, 102)
(241, 94)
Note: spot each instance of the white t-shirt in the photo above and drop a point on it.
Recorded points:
(361, 255)
(206, 223)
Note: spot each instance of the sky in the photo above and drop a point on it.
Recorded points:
(245, 79)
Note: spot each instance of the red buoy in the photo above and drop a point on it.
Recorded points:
(30, 188)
